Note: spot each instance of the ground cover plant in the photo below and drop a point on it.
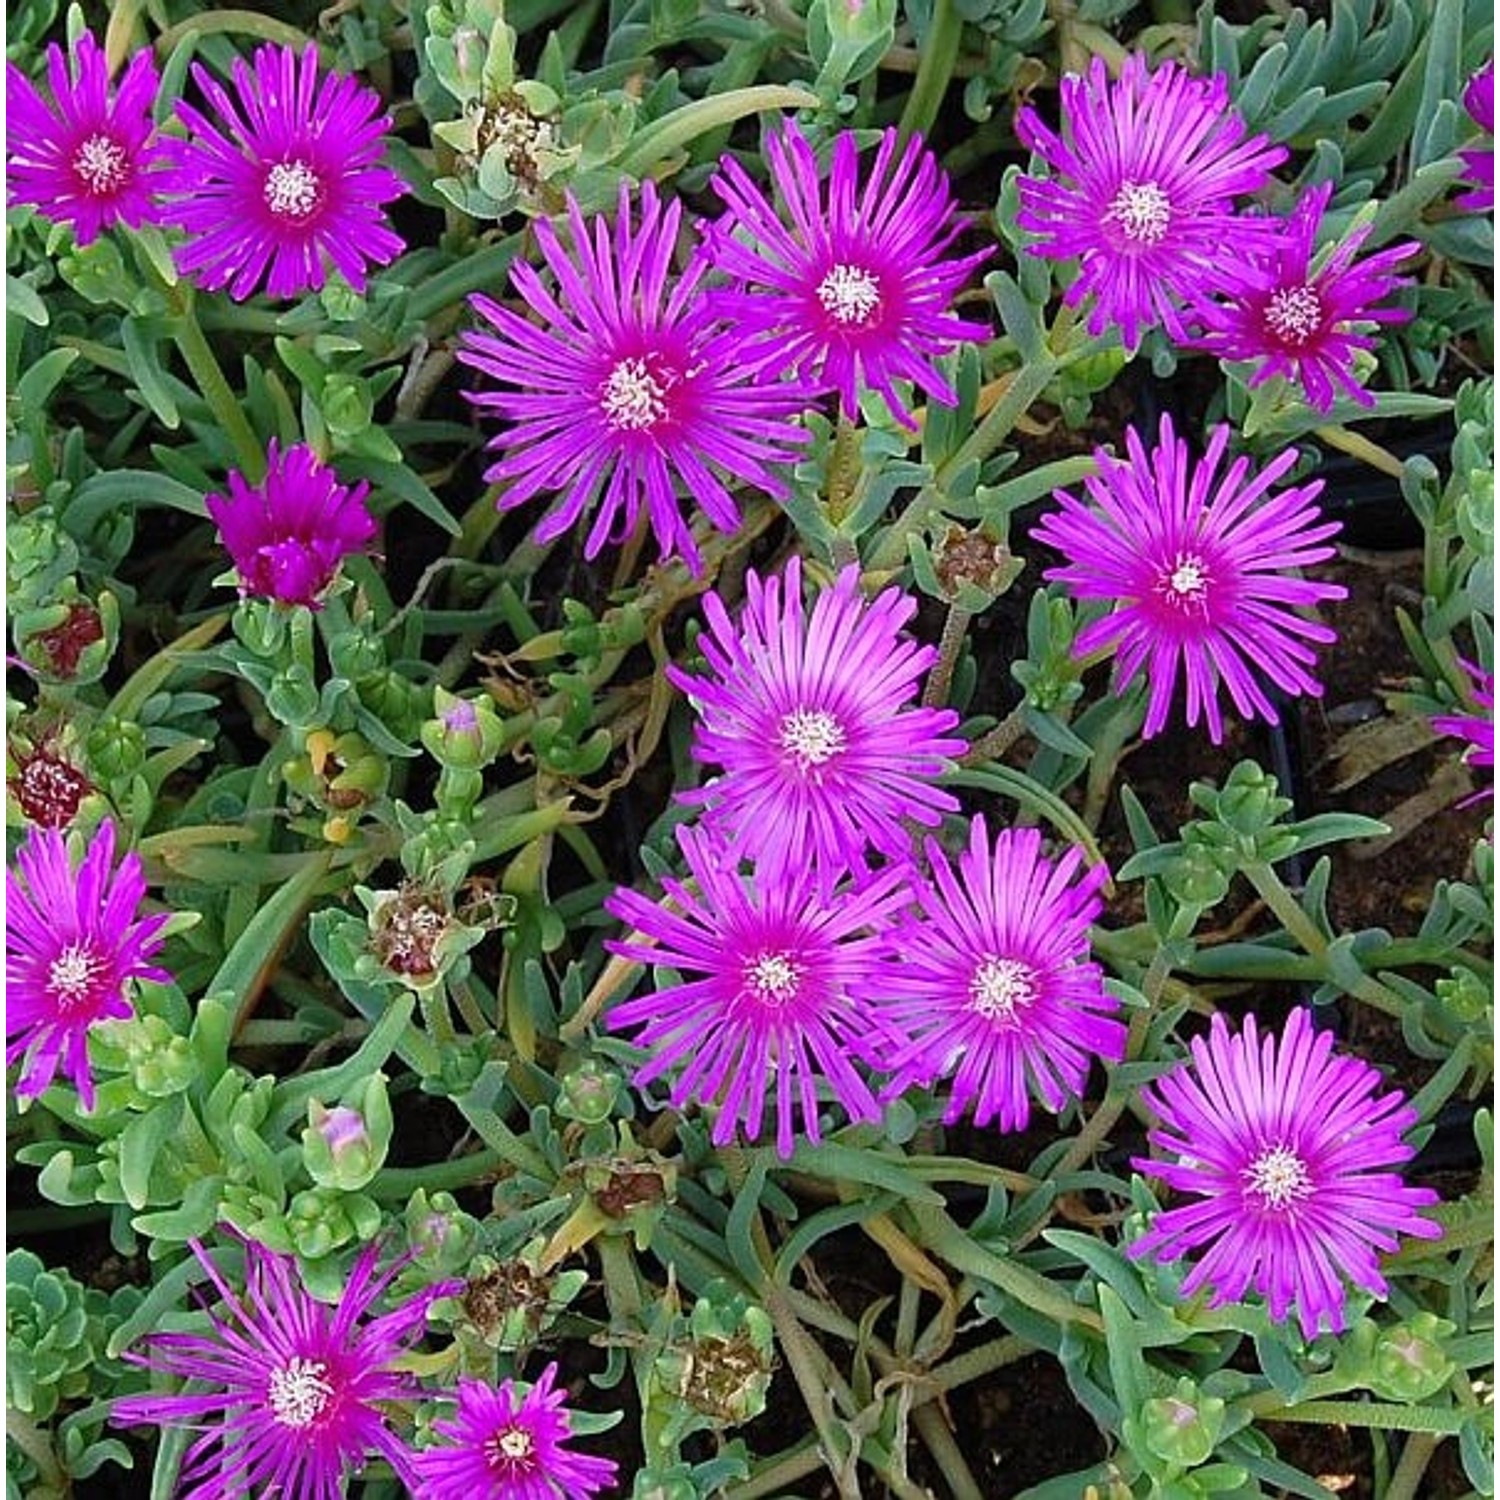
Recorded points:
(749, 749)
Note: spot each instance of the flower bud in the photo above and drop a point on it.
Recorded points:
(1184, 1427)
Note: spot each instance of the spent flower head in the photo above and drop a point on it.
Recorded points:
(989, 975)
(1300, 320)
(848, 285)
(510, 1442)
(288, 534)
(1479, 100)
(72, 947)
(287, 182)
(288, 1395)
(629, 389)
(86, 157)
(810, 714)
(765, 1009)
(1286, 1151)
(1198, 563)
(1146, 170)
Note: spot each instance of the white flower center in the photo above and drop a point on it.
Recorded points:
(1278, 1178)
(1142, 211)
(298, 1392)
(101, 164)
(812, 737)
(1187, 584)
(849, 294)
(632, 398)
(1000, 987)
(292, 189)
(510, 1449)
(73, 975)
(773, 978)
(1294, 314)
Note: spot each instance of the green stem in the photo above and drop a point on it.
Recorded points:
(946, 1454)
(940, 679)
(1379, 1416)
(482, 271)
(843, 469)
(1288, 911)
(995, 742)
(813, 1373)
(947, 1241)
(1027, 384)
(31, 1440)
(228, 411)
(1415, 1457)
(777, 1476)
(939, 52)
(243, 22)
(438, 1177)
(975, 1364)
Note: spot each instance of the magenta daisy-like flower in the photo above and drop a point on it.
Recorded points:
(989, 975)
(288, 534)
(288, 1394)
(810, 715)
(1199, 566)
(766, 1007)
(86, 158)
(1299, 321)
(1479, 100)
(630, 388)
(287, 182)
(510, 1442)
(72, 947)
(1146, 173)
(849, 285)
(1478, 728)
(1286, 1151)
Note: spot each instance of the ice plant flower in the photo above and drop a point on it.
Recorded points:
(1299, 320)
(989, 976)
(1146, 173)
(1479, 100)
(1477, 728)
(766, 1006)
(849, 284)
(73, 945)
(288, 1394)
(1198, 563)
(629, 387)
(1286, 1151)
(286, 182)
(288, 534)
(510, 1442)
(824, 754)
(86, 158)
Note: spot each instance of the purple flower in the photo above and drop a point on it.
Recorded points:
(1296, 320)
(296, 1390)
(769, 1004)
(1199, 568)
(72, 945)
(288, 536)
(1479, 100)
(86, 159)
(289, 178)
(990, 976)
(509, 1442)
(1477, 728)
(811, 717)
(1147, 172)
(631, 387)
(855, 288)
(1286, 1150)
